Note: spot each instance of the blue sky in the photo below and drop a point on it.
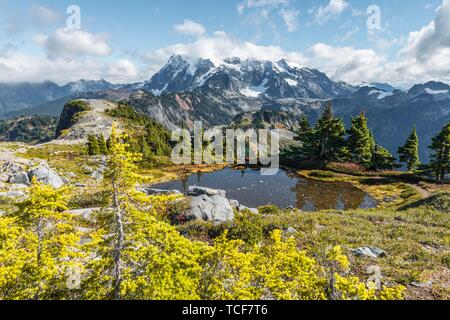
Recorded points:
(126, 41)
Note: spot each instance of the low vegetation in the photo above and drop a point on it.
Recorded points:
(416, 240)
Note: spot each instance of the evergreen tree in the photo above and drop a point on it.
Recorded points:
(41, 247)
(140, 256)
(409, 153)
(93, 146)
(327, 140)
(382, 159)
(146, 151)
(103, 147)
(360, 142)
(304, 129)
(440, 159)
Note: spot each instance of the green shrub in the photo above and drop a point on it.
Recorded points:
(322, 174)
(248, 227)
(269, 209)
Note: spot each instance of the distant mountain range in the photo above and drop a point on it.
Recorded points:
(221, 92)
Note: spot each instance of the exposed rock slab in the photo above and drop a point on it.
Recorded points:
(369, 252)
(46, 175)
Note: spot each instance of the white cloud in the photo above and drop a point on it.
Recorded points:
(68, 44)
(190, 28)
(290, 18)
(18, 67)
(283, 7)
(218, 47)
(122, 71)
(426, 55)
(43, 16)
(333, 9)
(346, 63)
(432, 38)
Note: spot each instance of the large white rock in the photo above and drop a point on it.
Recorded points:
(20, 178)
(215, 208)
(46, 175)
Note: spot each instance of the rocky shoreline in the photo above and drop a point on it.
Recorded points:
(206, 204)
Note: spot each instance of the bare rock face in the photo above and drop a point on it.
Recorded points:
(20, 178)
(46, 175)
(9, 169)
(369, 252)
(13, 194)
(215, 208)
(87, 213)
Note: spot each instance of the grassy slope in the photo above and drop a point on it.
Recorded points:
(417, 242)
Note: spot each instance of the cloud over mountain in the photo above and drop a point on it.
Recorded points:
(190, 28)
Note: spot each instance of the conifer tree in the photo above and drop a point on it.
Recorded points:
(141, 257)
(360, 142)
(304, 129)
(440, 159)
(409, 153)
(93, 146)
(103, 147)
(328, 137)
(41, 247)
(146, 151)
(382, 159)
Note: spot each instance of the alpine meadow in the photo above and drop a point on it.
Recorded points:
(242, 151)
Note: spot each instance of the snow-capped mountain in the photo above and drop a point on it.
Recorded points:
(437, 91)
(88, 86)
(250, 78)
(386, 87)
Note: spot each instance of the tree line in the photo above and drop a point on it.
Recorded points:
(146, 136)
(330, 141)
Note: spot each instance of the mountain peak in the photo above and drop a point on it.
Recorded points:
(251, 78)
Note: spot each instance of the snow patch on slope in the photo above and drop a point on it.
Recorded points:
(434, 92)
(381, 94)
(255, 91)
(292, 83)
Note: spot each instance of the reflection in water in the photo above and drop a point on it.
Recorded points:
(285, 189)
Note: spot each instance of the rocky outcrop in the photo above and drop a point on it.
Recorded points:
(46, 175)
(207, 204)
(9, 169)
(20, 178)
(82, 118)
(214, 208)
(369, 252)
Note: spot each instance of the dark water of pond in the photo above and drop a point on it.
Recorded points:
(286, 189)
